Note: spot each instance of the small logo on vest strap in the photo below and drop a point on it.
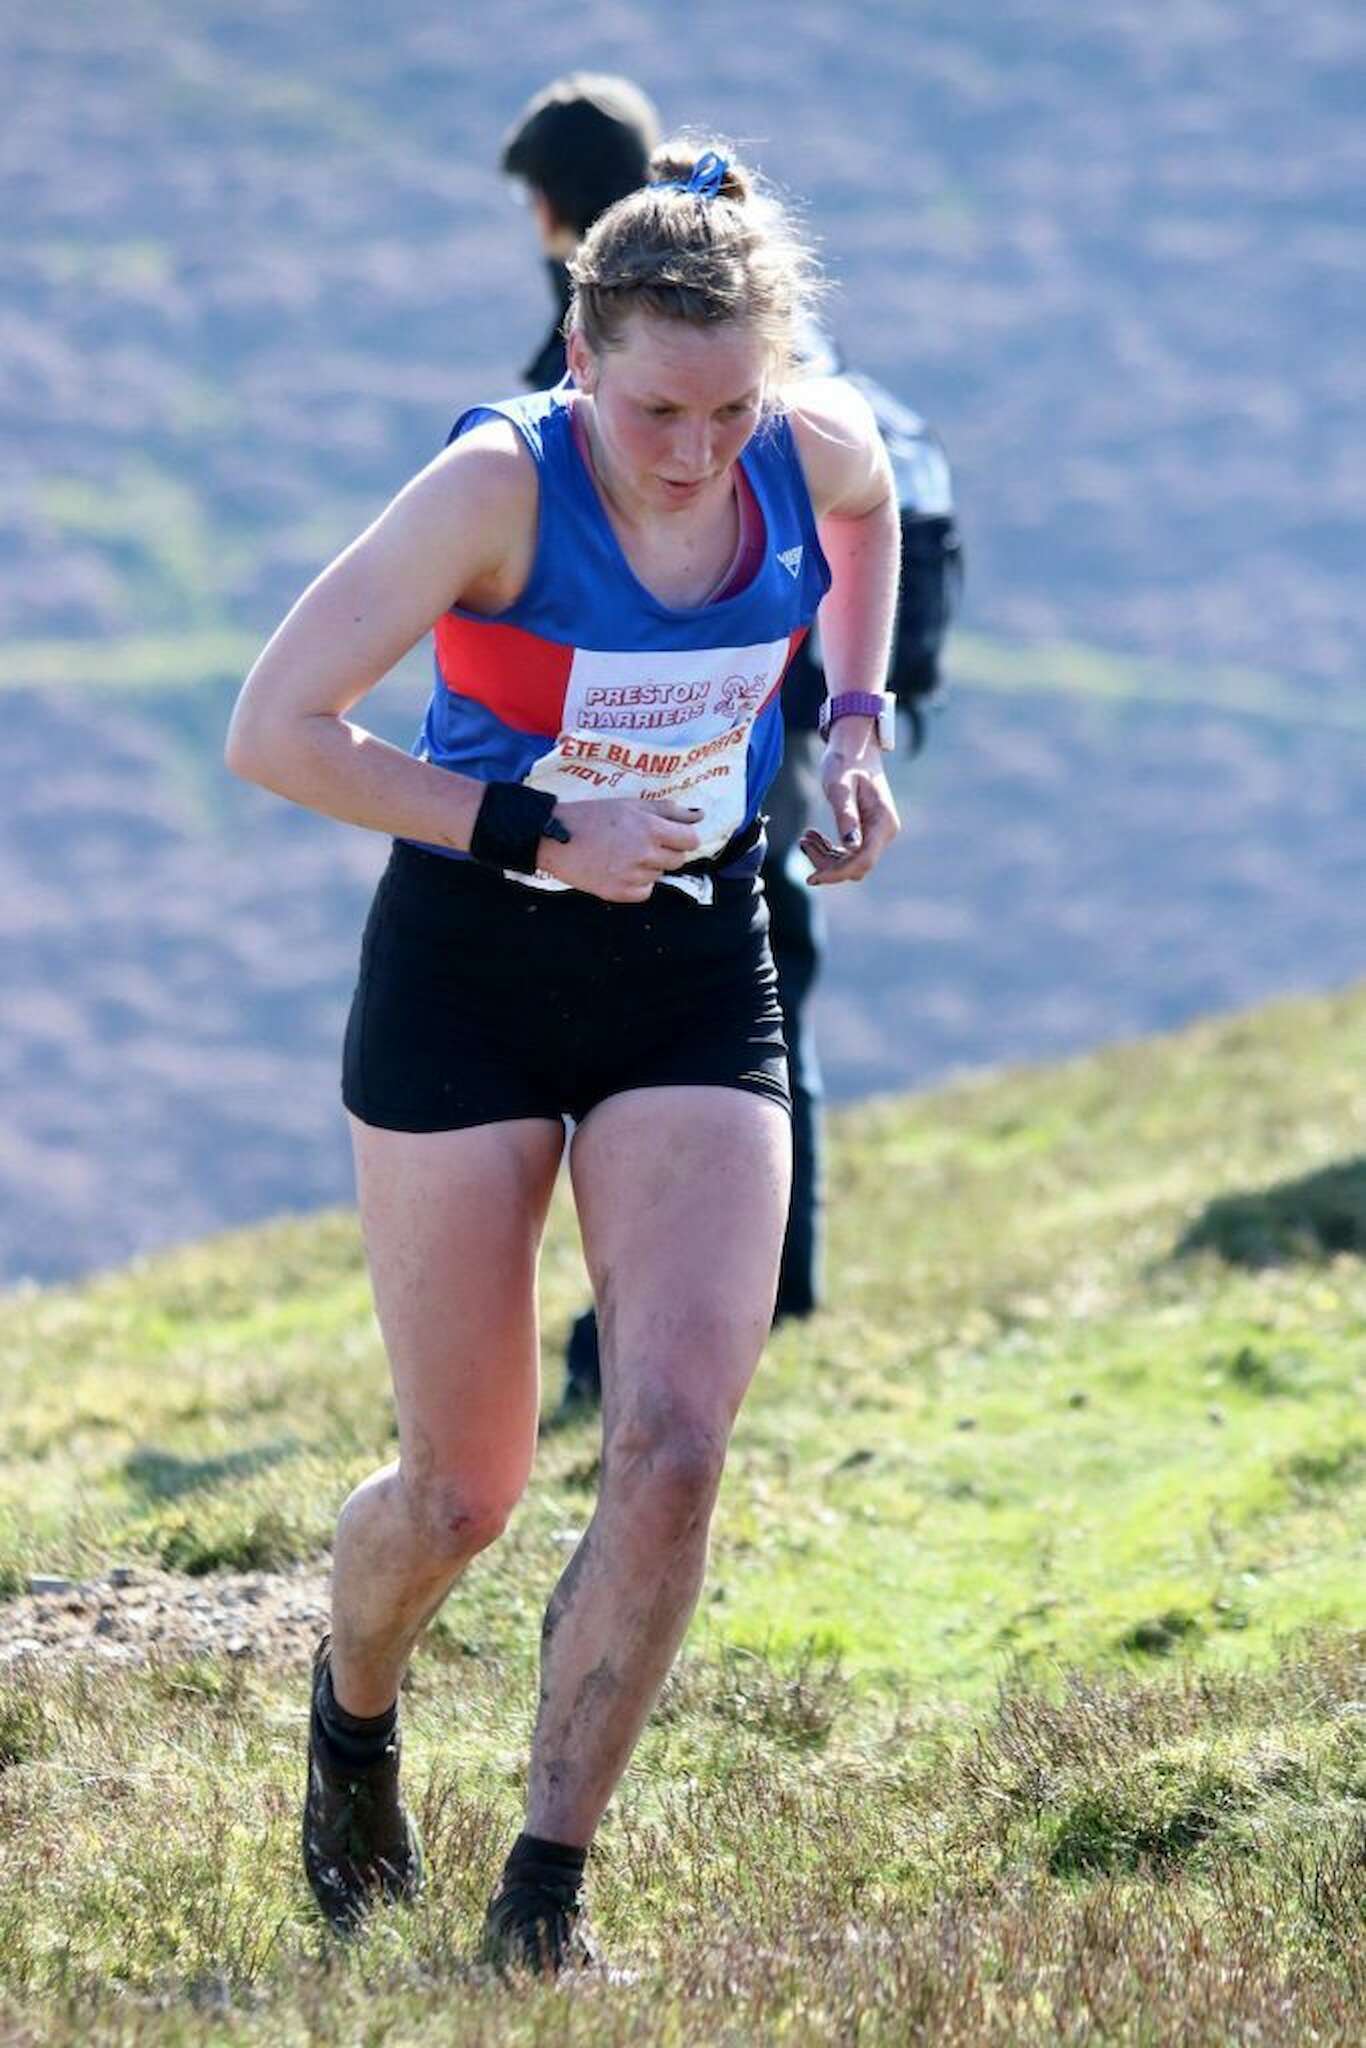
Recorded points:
(791, 559)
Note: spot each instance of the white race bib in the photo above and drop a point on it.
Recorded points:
(674, 724)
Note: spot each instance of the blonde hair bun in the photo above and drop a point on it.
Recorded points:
(676, 160)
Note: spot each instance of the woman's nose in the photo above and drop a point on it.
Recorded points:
(693, 448)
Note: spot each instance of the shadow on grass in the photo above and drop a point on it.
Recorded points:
(1316, 1217)
(161, 1475)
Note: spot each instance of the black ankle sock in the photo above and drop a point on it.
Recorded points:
(531, 1854)
(356, 1740)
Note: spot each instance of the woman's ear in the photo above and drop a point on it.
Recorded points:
(583, 364)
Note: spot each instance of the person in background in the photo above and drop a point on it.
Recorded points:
(581, 143)
(578, 146)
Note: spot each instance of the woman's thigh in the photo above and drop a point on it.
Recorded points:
(452, 1222)
(682, 1196)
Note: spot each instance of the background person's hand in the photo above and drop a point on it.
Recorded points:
(620, 846)
(865, 816)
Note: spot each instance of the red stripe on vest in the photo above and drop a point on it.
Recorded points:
(794, 641)
(517, 675)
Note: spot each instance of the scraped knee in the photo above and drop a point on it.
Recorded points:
(456, 1517)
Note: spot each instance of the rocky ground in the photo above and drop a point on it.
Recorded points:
(132, 1613)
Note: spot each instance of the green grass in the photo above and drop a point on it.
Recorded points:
(1025, 1701)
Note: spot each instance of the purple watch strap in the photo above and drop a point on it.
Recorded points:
(850, 704)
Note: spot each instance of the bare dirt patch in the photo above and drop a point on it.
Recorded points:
(132, 1615)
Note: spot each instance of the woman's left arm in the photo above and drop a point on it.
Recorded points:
(854, 499)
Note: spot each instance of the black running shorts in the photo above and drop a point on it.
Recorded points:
(480, 1000)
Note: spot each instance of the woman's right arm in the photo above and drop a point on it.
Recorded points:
(466, 525)
(456, 523)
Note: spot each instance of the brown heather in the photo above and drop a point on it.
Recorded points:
(845, 1900)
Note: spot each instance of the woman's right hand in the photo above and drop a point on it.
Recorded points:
(620, 846)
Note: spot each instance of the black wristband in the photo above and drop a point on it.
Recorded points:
(511, 823)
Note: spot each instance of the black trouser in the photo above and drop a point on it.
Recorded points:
(797, 937)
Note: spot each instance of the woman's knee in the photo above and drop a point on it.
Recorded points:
(663, 1463)
(456, 1516)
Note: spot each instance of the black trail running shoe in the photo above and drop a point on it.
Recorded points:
(360, 1846)
(533, 1923)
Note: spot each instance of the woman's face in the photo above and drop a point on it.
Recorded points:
(672, 406)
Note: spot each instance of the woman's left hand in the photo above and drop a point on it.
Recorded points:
(866, 822)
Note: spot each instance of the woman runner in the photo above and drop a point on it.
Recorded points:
(570, 925)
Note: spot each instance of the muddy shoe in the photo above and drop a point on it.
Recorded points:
(359, 1844)
(534, 1923)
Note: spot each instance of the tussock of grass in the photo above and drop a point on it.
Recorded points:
(226, 1541)
(1315, 1217)
(1317, 1472)
(998, 1722)
(795, 1705)
(1160, 1634)
(24, 1728)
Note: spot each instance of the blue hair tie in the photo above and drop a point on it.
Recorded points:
(708, 176)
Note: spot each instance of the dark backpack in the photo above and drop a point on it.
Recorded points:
(931, 564)
(931, 550)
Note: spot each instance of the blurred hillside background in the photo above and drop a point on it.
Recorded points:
(254, 259)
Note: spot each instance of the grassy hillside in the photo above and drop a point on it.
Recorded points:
(1024, 1702)
(256, 259)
